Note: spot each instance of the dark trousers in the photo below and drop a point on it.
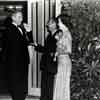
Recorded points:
(18, 93)
(47, 86)
(18, 83)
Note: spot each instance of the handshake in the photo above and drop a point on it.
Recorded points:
(31, 49)
(34, 44)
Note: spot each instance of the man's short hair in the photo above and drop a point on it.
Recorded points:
(14, 11)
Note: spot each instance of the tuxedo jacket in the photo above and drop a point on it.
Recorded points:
(16, 45)
(17, 56)
(47, 63)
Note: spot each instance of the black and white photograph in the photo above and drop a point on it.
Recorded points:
(49, 49)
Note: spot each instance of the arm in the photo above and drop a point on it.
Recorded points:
(29, 37)
(40, 48)
(28, 33)
(49, 45)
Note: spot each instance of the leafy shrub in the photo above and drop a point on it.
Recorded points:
(85, 19)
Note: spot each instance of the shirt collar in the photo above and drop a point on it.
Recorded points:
(14, 24)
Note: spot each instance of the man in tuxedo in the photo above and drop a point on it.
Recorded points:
(47, 64)
(17, 55)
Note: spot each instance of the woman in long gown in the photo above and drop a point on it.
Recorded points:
(62, 79)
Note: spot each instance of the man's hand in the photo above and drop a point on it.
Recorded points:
(27, 27)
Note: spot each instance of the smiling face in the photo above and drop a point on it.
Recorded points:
(17, 18)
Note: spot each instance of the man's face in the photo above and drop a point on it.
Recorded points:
(17, 18)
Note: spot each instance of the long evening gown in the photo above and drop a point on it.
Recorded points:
(62, 79)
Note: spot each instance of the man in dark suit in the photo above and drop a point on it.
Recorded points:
(47, 64)
(17, 56)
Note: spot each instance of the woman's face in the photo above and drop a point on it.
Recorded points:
(52, 25)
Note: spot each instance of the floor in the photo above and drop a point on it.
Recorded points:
(27, 98)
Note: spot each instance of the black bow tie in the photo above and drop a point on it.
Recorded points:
(18, 26)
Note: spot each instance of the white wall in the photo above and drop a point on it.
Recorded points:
(39, 12)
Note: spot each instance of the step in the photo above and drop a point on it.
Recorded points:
(7, 97)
